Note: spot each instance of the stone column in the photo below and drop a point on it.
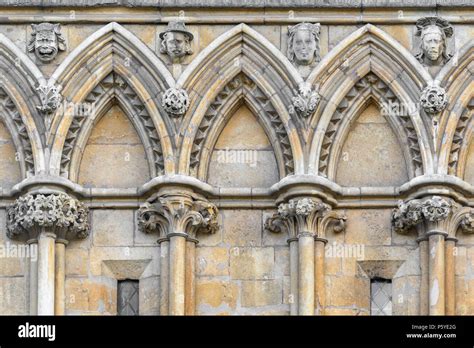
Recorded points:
(33, 276)
(293, 299)
(436, 272)
(177, 273)
(47, 216)
(319, 278)
(178, 218)
(450, 244)
(306, 221)
(164, 275)
(60, 276)
(46, 273)
(424, 281)
(190, 283)
(436, 218)
(306, 273)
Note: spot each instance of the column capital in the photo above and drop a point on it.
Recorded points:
(304, 215)
(432, 214)
(184, 214)
(56, 213)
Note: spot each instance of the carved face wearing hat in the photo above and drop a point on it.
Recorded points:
(303, 43)
(176, 41)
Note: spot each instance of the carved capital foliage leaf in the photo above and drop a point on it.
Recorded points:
(304, 215)
(178, 215)
(57, 212)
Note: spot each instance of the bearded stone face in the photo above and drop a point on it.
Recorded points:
(46, 45)
(433, 45)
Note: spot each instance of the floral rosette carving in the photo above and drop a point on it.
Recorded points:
(175, 101)
(306, 101)
(436, 209)
(433, 99)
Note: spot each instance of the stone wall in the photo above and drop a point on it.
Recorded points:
(242, 144)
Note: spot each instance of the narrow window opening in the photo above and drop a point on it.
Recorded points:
(127, 297)
(380, 296)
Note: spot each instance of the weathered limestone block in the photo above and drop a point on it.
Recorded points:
(212, 261)
(368, 227)
(88, 296)
(149, 301)
(14, 294)
(215, 294)
(252, 263)
(242, 227)
(77, 262)
(256, 293)
(112, 227)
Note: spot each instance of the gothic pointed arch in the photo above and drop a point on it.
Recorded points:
(240, 90)
(19, 78)
(457, 78)
(240, 50)
(368, 61)
(91, 70)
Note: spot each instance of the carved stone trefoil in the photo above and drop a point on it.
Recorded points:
(175, 101)
(46, 41)
(306, 102)
(433, 99)
(58, 212)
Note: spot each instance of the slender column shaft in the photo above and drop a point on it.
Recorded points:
(424, 281)
(437, 273)
(190, 290)
(177, 274)
(293, 298)
(306, 274)
(164, 277)
(60, 277)
(320, 285)
(33, 276)
(46, 265)
(450, 277)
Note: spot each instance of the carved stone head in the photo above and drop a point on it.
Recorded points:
(433, 32)
(176, 41)
(303, 44)
(46, 40)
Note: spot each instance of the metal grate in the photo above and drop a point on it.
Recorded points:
(380, 297)
(127, 297)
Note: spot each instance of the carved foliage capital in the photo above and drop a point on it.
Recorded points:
(303, 215)
(170, 215)
(58, 212)
(413, 212)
